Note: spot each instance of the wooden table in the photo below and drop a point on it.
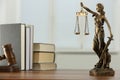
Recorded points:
(55, 75)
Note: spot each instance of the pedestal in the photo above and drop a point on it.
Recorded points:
(102, 72)
(9, 69)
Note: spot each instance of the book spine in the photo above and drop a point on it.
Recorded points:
(23, 47)
(29, 46)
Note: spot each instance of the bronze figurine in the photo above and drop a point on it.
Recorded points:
(99, 46)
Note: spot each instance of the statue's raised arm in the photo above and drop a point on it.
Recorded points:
(89, 10)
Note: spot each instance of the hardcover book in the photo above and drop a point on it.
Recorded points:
(44, 47)
(29, 47)
(14, 34)
(43, 57)
(44, 66)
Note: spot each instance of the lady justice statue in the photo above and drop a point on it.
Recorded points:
(99, 45)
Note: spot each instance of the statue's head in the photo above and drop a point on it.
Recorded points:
(99, 7)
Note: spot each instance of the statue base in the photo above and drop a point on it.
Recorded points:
(102, 72)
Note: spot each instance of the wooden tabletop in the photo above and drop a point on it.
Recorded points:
(55, 75)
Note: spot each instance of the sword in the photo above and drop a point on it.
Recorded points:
(103, 55)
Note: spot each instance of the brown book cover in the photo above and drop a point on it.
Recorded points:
(44, 66)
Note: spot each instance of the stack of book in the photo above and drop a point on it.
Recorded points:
(44, 56)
